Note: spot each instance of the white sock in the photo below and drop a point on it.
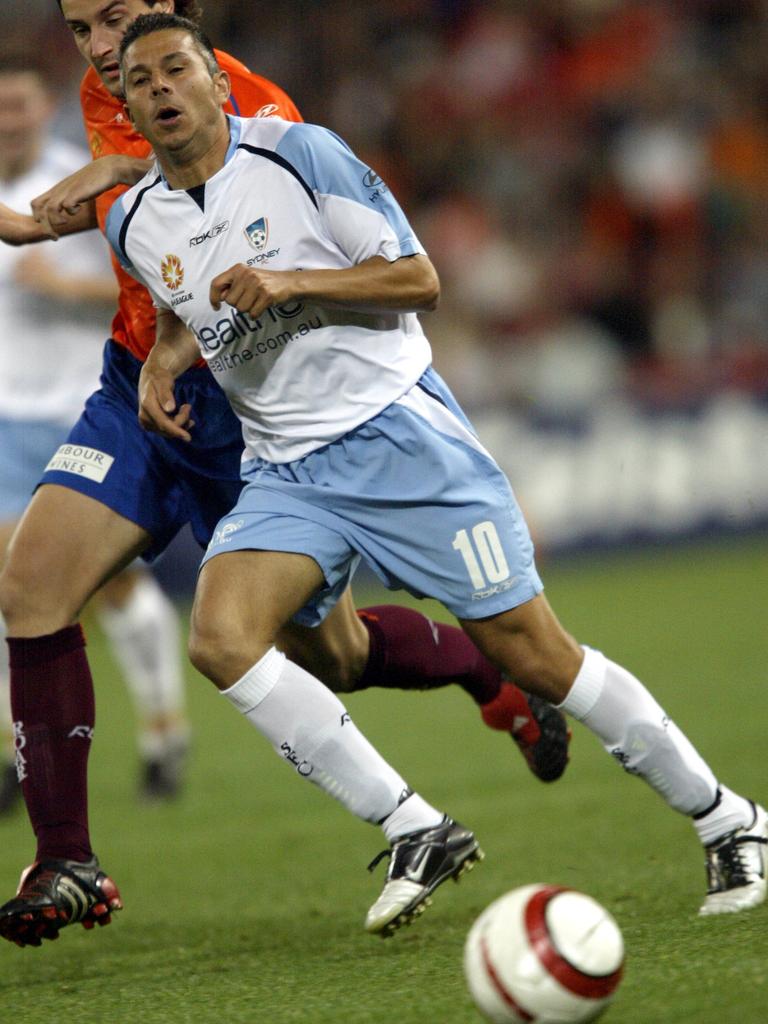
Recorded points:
(730, 811)
(309, 727)
(145, 638)
(412, 815)
(635, 730)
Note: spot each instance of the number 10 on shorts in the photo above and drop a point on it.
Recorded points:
(483, 554)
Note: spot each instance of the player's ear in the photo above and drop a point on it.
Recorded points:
(223, 86)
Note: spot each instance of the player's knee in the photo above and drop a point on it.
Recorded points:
(36, 600)
(17, 594)
(545, 668)
(222, 650)
(207, 648)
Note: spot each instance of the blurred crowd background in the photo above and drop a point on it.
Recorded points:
(589, 176)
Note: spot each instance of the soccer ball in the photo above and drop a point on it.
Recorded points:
(543, 954)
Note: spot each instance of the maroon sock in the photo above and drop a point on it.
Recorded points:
(411, 652)
(53, 714)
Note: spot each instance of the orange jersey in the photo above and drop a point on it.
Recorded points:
(109, 132)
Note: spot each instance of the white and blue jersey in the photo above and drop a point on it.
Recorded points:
(50, 353)
(354, 446)
(289, 197)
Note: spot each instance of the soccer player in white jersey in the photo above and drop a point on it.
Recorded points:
(56, 299)
(303, 304)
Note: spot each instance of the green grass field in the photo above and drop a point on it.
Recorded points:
(245, 900)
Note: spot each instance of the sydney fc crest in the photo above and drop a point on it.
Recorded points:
(257, 234)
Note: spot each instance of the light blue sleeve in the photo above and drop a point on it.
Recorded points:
(113, 229)
(332, 170)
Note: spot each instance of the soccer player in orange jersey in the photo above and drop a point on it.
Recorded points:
(113, 492)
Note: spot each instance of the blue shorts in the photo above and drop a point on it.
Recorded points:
(413, 492)
(157, 483)
(25, 448)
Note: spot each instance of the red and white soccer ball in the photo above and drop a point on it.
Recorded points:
(543, 954)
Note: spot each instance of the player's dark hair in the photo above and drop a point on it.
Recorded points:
(146, 24)
(184, 8)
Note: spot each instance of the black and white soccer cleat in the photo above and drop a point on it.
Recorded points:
(736, 868)
(418, 863)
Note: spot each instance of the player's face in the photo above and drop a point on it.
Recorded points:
(99, 26)
(169, 92)
(25, 109)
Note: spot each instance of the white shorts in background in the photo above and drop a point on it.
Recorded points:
(25, 448)
(411, 491)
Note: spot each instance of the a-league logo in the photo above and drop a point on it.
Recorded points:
(172, 272)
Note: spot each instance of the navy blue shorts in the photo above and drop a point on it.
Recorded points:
(157, 483)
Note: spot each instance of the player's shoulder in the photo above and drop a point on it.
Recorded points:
(285, 136)
(96, 102)
(128, 205)
(261, 132)
(254, 95)
(236, 69)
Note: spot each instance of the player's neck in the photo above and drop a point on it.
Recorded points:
(195, 163)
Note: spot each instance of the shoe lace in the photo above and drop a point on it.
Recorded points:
(378, 859)
(399, 849)
(727, 864)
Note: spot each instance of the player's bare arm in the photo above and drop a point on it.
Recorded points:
(55, 208)
(39, 275)
(409, 284)
(174, 351)
(20, 228)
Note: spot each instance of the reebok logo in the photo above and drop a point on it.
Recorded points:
(213, 232)
(224, 535)
(83, 731)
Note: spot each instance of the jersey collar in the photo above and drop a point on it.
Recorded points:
(235, 130)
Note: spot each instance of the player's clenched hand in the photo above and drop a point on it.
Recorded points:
(20, 228)
(251, 290)
(157, 406)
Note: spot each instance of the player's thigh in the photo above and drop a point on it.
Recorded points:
(65, 545)
(6, 532)
(531, 646)
(336, 651)
(243, 599)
